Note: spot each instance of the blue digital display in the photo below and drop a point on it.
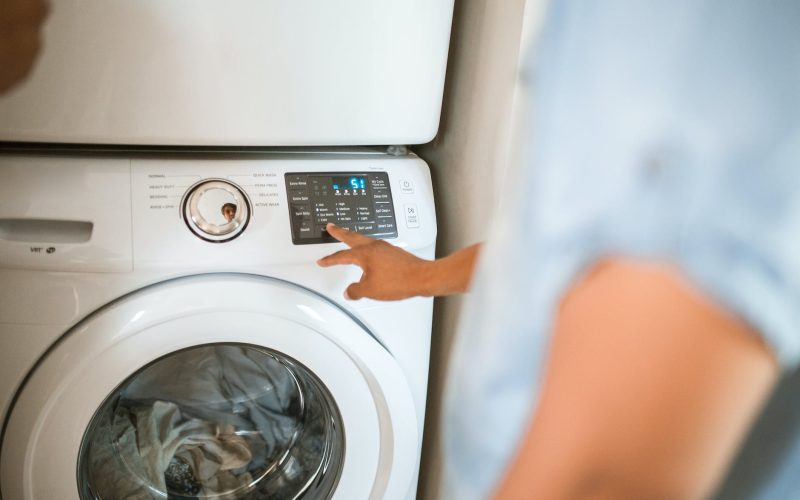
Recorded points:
(349, 185)
(358, 183)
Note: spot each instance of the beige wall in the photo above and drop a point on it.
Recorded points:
(467, 161)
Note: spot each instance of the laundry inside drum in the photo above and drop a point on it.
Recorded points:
(216, 421)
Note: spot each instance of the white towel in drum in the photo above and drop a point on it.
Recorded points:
(133, 462)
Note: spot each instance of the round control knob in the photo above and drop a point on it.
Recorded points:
(216, 210)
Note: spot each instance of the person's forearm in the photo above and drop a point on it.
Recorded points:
(391, 273)
(449, 275)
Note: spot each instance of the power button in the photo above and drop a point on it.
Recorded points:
(406, 186)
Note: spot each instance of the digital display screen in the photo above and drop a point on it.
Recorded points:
(358, 202)
(353, 183)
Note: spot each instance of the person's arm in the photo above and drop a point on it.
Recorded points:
(391, 273)
(649, 389)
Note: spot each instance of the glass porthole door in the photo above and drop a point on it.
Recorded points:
(217, 386)
(215, 421)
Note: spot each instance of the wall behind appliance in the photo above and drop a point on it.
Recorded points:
(468, 162)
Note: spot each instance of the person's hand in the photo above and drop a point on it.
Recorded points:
(390, 273)
(20, 21)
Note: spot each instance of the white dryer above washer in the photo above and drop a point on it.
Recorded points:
(250, 72)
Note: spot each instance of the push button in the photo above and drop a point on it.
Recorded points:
(406, 186)
(297, 182)
(301, 212)
(378, 182)
(297, 196)
(382, 211)
(380, 195)
(306, 229)
(412, 216)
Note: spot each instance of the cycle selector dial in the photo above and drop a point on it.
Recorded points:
(216, 210)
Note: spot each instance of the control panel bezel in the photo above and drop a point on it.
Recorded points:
(313, 203)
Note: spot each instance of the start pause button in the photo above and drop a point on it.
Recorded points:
(412, 216)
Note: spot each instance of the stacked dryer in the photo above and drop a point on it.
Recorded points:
(166, 175)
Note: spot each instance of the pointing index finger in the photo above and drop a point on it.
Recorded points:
(349, 238)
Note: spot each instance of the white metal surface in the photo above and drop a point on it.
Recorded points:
(38, 303)
(70, 189)
(122, 197)
(248, 72)
(263, 182)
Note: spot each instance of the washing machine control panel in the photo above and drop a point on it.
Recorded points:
(359, 201)
(216, 210)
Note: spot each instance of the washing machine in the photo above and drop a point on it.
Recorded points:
(165, 331)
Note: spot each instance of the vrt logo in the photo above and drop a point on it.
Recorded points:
(39, 249)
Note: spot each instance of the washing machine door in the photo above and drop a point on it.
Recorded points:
(213, 386)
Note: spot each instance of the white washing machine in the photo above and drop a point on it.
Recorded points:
(166, 333)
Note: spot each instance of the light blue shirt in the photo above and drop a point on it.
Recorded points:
(666, 130)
